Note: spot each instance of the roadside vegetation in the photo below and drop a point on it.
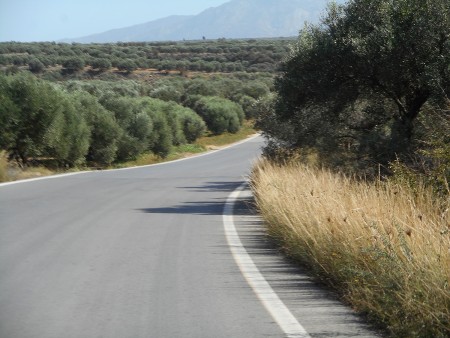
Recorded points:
(355, 178)
(71, 106)
(383, 246)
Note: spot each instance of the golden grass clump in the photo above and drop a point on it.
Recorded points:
(385, 248)
(3, 166)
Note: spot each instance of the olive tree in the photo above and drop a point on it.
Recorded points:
(359, 80)
(220, 115)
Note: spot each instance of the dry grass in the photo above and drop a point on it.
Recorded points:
(216, 141)
(385, 248)
(3, 167)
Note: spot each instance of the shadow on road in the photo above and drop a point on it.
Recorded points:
(215, 186)
(209, 207)
(294, 284)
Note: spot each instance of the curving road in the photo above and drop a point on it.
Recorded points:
(143, 253)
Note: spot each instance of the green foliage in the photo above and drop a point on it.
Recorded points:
(205, 56)
(104, 130)
(127, 65)
(248, 104)
(67, 138)
(40, 120)
(192, 124)
(354, 86)
(220, 114)
(166, 92)
(200, 87)
(135, 124)
(430, 165)
(152, 125)
(36, 66)
(82, 110)
(36, 108)
(9, 117)
(72, 65)
(255, 89)
(162, 139)
(104, 90)
(102, 64)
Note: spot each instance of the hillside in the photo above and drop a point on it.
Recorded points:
(234, 19)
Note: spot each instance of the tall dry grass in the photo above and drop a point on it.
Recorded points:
(3, 166)
(385, 248)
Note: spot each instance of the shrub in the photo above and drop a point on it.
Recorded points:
(36, 66)
(68, 136)
(248, 104)
(104, 130)
(200, 87)
(192, 124)
(127, 65)
(101, 64)
(220, 115)
(166, 93)
(72, 65)
(9, 117)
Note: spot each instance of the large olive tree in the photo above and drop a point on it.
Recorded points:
(358, 81)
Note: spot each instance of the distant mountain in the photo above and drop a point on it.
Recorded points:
(234, 19)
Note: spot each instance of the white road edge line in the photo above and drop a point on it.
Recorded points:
(130, 168)
(273, 304)
(42, 178)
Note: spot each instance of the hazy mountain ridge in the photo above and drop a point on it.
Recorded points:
(234, 19)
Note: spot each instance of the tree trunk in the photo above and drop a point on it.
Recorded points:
(403, 127)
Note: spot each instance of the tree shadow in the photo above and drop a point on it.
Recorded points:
(209, 207)
(215, 186)
(191, 208)
(203, 208)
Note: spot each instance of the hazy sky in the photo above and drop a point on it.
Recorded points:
(52, 20)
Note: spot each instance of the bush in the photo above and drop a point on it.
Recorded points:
(248, 105)
(162, 139)
(41, 120)
(136, 124)
(126, 65)
(72, 65)
(104, 130)
(166, 93)
(200, 87)
(101, 64)
(430, 165)
(192, 124)
(9, 117)
(220, 115)
(37, 108)
(68, 136)
(36, 66)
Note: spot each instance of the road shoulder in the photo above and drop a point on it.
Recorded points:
(317, 309)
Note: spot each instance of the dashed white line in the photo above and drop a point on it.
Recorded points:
(273, 304)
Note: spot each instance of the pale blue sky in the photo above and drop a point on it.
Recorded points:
(52, 20)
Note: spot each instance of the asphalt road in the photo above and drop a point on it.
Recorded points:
(143, 253)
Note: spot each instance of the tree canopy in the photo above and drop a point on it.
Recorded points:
(359, 80)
